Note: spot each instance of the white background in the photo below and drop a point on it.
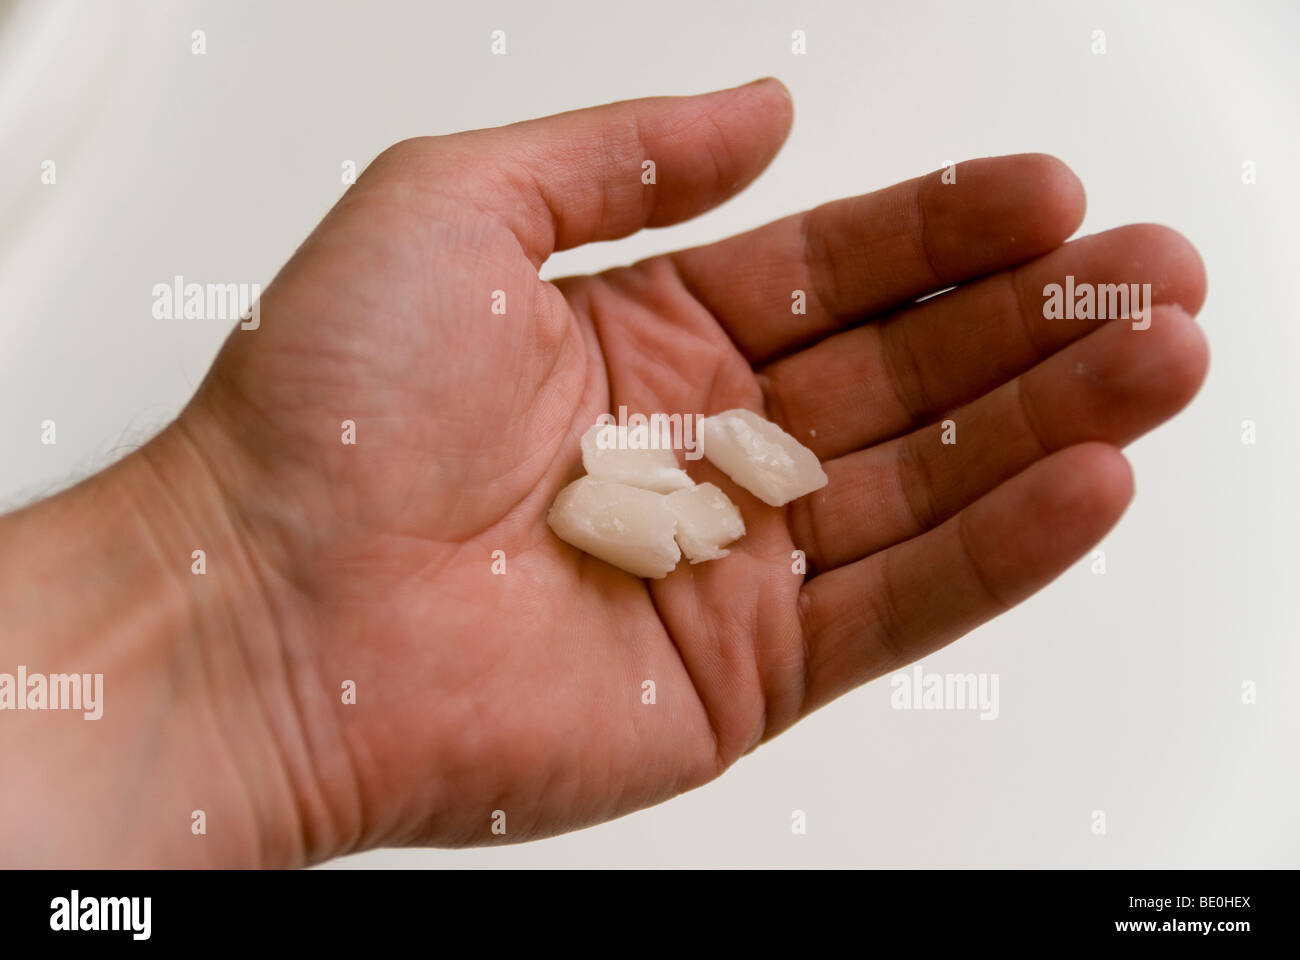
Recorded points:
(1119, 693)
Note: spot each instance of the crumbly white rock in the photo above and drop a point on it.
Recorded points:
(707, 521)
(623, 525)
(607, 455)
(760, 456)
(637, 510)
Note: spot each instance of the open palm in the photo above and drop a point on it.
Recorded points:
(526, 692)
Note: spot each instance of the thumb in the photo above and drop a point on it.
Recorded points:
(608, 171)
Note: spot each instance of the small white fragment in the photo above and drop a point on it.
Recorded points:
(760, 456)
(623, 525)
(706, 522)
(607, 455)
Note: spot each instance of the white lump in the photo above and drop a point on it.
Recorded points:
(761, 457)
(706, 522)
(637, 510)
(607, 455)
(626, 526)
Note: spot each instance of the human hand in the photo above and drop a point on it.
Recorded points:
(371, 562)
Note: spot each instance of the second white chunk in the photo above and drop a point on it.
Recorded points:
(706, 522)
(607, 455)
(761, 457)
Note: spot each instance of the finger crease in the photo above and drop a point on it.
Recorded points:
(1031, 419)
(963, 538)
(918, 494)
(822, 282)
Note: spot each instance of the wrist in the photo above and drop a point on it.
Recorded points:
(142, 577)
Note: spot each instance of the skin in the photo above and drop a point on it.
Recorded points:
(371, 562)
